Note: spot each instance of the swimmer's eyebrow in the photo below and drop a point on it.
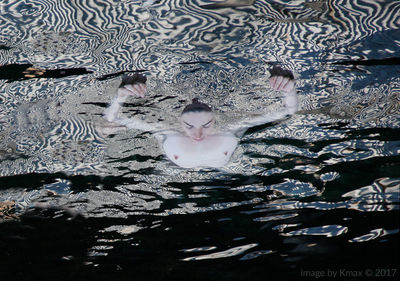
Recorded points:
(201, 125)
(208, 122)
(187, 124)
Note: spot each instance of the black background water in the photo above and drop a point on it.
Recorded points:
(308, 197)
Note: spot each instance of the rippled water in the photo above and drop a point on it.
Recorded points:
(315, 194)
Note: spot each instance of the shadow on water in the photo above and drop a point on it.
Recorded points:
(311, 195)
(18, 72)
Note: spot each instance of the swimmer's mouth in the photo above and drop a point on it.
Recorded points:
(198, 139)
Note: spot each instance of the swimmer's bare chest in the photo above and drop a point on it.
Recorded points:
(214, 151)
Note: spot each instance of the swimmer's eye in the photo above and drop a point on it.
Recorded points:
(188, 125)
(208, 124)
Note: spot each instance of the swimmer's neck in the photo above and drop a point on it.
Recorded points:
(203, 139)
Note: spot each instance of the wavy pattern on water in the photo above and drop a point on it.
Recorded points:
(37, 143)
(363, 15)
(124, 35)
(127, 36)
(293, 179)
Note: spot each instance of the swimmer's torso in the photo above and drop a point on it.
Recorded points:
(214, 151)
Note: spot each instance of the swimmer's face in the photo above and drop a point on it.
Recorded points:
(198, 125)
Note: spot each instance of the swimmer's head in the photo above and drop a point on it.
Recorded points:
(198, 120)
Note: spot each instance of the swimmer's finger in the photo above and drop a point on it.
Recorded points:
(272, 81)
(288, 86)
(283, 83)
(130, 89)
(278, 83)
(123, 92)
(140, 89)
(133, 90)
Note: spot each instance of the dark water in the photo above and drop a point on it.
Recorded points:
(316, 195)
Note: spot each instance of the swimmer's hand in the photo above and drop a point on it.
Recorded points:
(282, 80)
(132, 86)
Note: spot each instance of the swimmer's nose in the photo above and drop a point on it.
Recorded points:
(198, 133)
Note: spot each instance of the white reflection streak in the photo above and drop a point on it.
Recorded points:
(276, 217)
(190, 207)
(199, 249)
(224, 254)
(382, 195)
(356, 150)
(325, 230)
(373, 234)
(122, 229)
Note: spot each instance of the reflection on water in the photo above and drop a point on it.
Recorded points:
(319, 190)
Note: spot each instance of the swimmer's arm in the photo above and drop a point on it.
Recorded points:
(130, 86)
(283, 81)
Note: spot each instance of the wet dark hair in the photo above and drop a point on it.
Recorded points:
(136, 78)
(196, 106)
(279, 71)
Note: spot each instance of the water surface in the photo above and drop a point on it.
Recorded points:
(318, 192)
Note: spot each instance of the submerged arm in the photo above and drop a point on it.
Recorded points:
(130, 86)
(280, 80)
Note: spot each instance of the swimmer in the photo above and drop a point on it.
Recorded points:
(198, 143)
